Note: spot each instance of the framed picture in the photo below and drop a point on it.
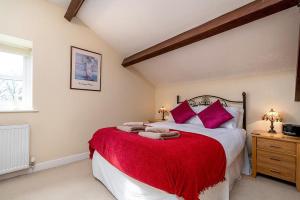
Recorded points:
(85, 69)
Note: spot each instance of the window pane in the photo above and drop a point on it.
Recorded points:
(15, 73)
(11, 65)
(11, 92)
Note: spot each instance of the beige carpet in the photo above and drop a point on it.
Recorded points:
(75, 182)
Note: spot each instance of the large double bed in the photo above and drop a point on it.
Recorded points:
(124, 187)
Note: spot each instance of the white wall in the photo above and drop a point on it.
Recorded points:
(67, 118)
(275, 90)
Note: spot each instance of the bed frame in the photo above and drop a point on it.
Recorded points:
(205, 100)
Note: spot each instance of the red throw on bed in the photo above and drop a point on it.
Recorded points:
(184, 166)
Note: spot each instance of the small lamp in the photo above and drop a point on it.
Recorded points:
(272, 116)
(164, 111)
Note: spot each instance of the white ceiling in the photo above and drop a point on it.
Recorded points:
(133, 25)
(63, 3)
(269, 44)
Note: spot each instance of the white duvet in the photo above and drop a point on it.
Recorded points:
(232, 140)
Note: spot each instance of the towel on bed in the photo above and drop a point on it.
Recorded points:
(159, 136)
(133, 124)
(131, 128)
(157, 129)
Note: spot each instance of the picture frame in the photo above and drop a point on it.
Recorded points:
(85, 73)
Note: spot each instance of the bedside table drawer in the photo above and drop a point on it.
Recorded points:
(277, 160)
(276, 146)
(276, 171)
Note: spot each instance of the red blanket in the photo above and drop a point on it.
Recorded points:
(184, 166)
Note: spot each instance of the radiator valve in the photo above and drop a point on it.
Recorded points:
(32, 161)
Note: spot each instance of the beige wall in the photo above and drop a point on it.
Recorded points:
(67, 118)
(275, 90)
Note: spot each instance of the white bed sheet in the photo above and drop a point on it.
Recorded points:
(124, 187)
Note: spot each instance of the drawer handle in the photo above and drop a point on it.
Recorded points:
(276, 159)
(275, 171)
(275, 147)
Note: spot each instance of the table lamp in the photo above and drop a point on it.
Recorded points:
(272, 116)
(164, 111)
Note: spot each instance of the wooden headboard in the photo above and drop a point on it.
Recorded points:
(209, 99)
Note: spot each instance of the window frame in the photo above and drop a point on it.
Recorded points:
(27, 101)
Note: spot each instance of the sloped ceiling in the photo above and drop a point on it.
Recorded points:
(63, 3)
(269, 44)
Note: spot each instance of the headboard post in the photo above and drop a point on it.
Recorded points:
(178, 99)
(245, 110)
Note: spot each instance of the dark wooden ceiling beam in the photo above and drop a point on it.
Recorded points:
(243, 15)
(73, 9)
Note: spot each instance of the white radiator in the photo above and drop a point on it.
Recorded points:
(14, 148)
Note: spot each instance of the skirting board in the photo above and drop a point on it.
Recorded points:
(48, 165)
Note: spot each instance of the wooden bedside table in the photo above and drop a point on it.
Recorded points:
(276, 155)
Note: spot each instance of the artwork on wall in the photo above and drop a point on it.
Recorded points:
(85, 69)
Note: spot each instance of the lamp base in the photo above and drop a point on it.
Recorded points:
(272, 127)
(272, 131)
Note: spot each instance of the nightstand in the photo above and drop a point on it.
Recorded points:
(155, 120)
(276, 155)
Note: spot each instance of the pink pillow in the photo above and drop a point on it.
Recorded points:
(214, 115)
(183, 112)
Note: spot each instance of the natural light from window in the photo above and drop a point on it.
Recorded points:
(15, 78)
(11, 79)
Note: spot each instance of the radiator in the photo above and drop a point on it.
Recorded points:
(14, 148)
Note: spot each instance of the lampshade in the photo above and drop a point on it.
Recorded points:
(162, 109)
(272, 115)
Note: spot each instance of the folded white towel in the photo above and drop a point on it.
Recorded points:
(157, 129)
(133, 124)
(131, 128)
(159, 136)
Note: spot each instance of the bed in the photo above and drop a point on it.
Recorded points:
(124, 187)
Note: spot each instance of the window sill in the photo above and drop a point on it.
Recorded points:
(19, 111)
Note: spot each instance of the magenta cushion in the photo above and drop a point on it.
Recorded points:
(183, 112)
(214, 115)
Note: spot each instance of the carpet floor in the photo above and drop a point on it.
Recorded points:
(76, 182)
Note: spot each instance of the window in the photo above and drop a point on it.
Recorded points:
(15, 77)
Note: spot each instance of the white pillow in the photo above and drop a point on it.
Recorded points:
(196, 120)
(170, 118)
(240, 122)
(233, 123)
(237, 120)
